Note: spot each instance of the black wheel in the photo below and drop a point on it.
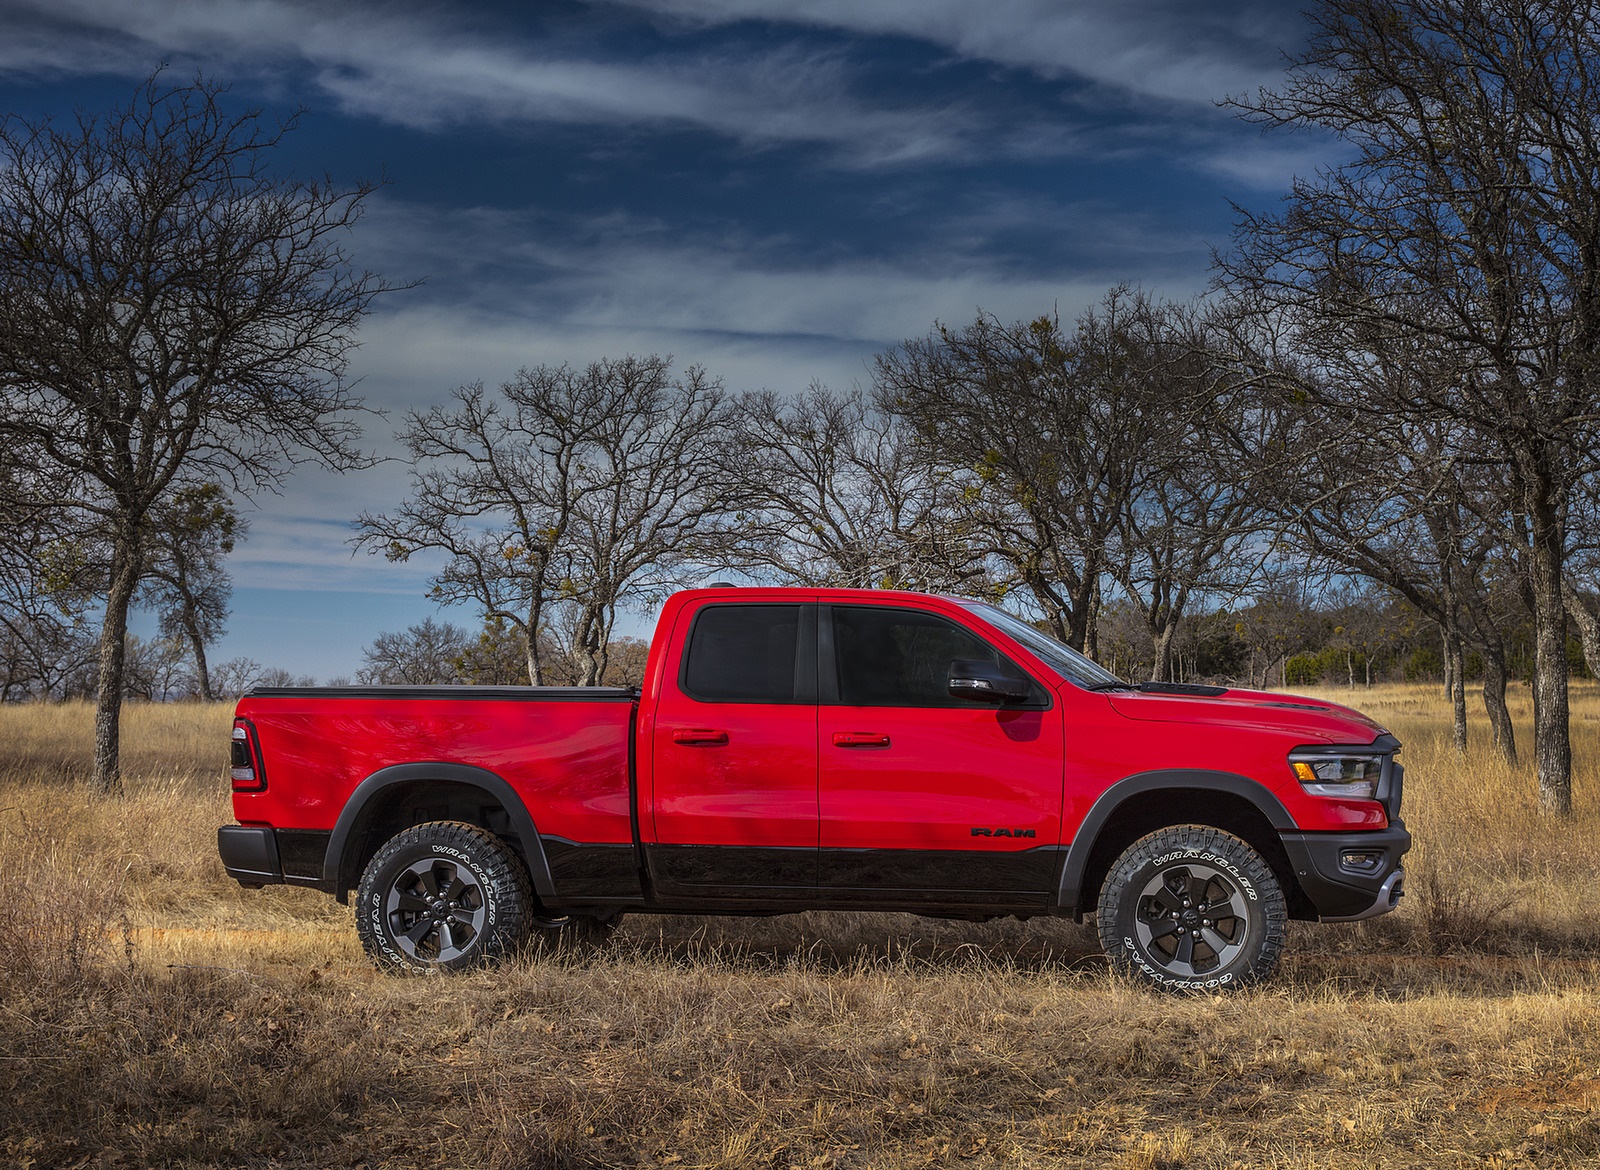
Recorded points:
(442, 896)
(578, 933)
(1192, 909)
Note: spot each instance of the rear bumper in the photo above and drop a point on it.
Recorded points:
(1348, 877)
(259, 855)
(250, 855)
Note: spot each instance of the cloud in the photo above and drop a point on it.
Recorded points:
(299, 541)
(1156, 48)
(640, 277)
(1163, 63)
(1270, 164)
(416, 70)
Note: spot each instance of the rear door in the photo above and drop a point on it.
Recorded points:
(923, 796)
(734, 756)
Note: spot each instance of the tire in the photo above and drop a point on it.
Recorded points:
(1190, 908)
(444, 896)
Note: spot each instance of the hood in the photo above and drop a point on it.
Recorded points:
(1314, 719)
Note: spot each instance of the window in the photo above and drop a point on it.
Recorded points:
(901, 658)
(743, 654)
(1065, 661)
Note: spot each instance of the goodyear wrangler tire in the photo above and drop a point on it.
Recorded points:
(443, 896)
(1191, 908)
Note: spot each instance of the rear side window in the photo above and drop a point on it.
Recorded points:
(743, 654)
(901, 658)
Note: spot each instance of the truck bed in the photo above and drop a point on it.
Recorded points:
(563, 750)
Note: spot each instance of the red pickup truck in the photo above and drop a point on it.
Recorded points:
(795, 749)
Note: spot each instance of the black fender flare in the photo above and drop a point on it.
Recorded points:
(1191, 779)
(467, 774)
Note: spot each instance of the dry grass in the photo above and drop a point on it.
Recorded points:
(156, 1014)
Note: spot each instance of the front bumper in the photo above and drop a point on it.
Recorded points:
(1348, 877)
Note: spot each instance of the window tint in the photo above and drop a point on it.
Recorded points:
(1064, 660)
(743, 654)
(901, 658)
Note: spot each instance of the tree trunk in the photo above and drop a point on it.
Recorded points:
(125, 573)
(1083, 614)
(1588, 627)
(1458, 691)
(1161, 649)
(589, 648)
(1494, 703)
(202, 672)
(531, 646)
(1552, 746)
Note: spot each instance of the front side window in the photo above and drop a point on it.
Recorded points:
(742, 654)
(889, 657)
(1062, 659)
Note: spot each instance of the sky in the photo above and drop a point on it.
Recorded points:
(774, 192)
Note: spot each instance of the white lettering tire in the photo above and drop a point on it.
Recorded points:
(442, 896)
(1192, 908)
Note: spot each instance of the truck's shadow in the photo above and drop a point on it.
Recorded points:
(1357, 966)
(841, 941)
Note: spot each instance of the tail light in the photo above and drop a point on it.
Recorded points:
(246, 759)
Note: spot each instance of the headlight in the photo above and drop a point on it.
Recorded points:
(1354, 777)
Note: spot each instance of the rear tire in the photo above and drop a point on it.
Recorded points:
(442, 896)
(1191, 908)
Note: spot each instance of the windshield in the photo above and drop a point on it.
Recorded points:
(1064, 660)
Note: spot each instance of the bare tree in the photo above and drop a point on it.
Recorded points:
(170, 315)
(1191, 526)
(1394, 507)
(1280, 623)
(277, 676)
(1046, 441)
(157, 670)
(186, 583)
(586, 489)
(832, 491)
(234, 677)
(497, 657)
(1089, 459)
(45, 658)
(1465, 222)
(428, 653)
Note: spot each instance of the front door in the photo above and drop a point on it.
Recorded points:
(923, 796)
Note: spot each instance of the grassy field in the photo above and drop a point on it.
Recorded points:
(156, 1014)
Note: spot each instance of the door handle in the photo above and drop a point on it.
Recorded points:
(700, 737)
(860, 739)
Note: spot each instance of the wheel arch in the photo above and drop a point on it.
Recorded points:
(1148, 801)
(389, 800)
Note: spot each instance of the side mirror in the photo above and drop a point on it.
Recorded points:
(985, 682)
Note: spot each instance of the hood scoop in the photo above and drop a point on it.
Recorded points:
(1170, 688)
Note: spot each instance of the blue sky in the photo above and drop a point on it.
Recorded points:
(776, 199)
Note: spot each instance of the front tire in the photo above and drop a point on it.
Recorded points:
(442, 896)
(1191, 908)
